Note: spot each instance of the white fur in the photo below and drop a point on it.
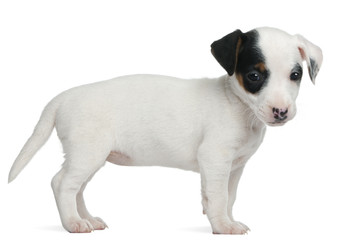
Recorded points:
(210, 126)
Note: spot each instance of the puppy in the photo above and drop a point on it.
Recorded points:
(210, 126)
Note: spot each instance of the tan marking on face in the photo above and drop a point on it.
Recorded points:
(239, 42)
(261, 67)
(239, 76)
(240, 80)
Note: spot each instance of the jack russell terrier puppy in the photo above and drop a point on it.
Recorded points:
(210, 126)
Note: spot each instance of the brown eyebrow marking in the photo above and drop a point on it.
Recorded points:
(261, 67)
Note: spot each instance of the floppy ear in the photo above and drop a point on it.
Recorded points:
(226, 50)
(312, 54)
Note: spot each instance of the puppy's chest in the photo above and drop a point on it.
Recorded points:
(248, 145)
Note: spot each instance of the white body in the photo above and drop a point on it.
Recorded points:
(157, 120)
(208, 126)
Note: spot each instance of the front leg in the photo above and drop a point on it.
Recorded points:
(234, 180)
(215, 171)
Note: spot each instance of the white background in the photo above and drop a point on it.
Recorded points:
(290, 187)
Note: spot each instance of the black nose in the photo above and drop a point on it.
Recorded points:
(280, 114)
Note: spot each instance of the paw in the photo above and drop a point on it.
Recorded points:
(79, 226)
(225, 227)
(243, 225)
(97, 223)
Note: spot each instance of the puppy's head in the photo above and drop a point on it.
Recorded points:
(266, 68)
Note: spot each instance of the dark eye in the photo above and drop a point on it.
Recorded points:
(254, 76)
(295, 76)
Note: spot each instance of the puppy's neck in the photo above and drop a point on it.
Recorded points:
(237, 98)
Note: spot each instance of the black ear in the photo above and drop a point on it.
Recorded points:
(226, 49)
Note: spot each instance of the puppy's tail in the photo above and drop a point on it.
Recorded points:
(40, 135)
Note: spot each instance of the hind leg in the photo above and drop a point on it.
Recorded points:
(80, 164)
(97, 223)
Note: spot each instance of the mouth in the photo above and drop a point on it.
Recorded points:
(272, 122)
(276, 123)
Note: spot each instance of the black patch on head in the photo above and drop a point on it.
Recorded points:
(225, 50)
(239, 53)
(250, 68)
